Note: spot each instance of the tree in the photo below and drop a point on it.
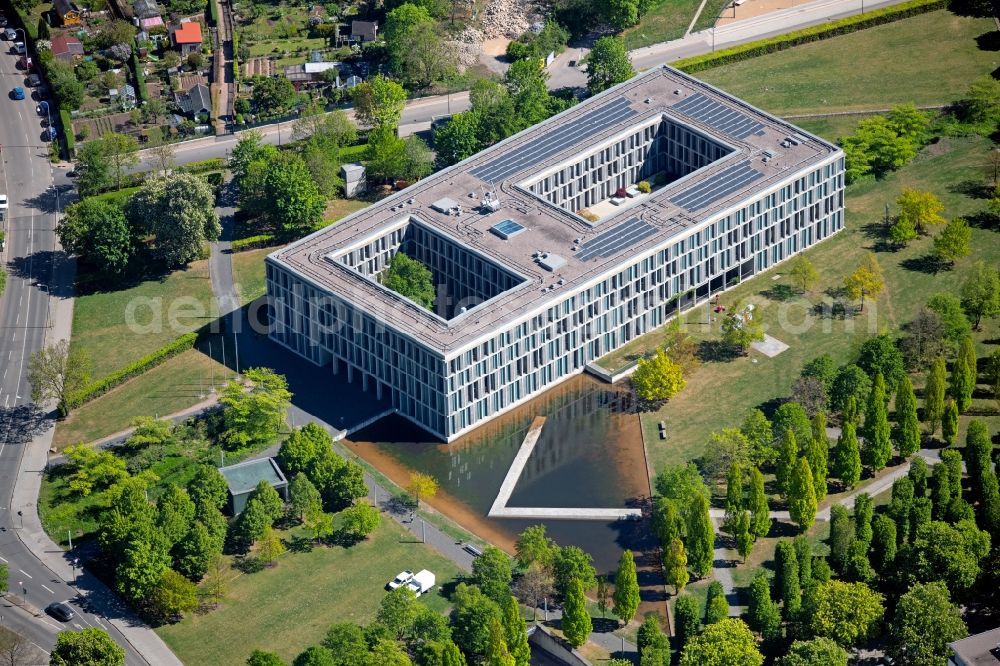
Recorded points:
(261, 658)
(941, 490)
(193, 553)
(786, 580)
(687, 619)
(760, 512)
(844, 612)
(272, 95)
(982, 101)
(536, 584)
(254, 410)
(802, 495)
(650, 635)
(122, 152)
(948, 553)
(534, 547)
(300, 452)
(56, 372)
(921, 209)
(883, 543)
(492, 573)
(757, 430)
(788, 456)
(270, 500)
(815, 652)
(658, 378)
(902, 231)
(725, 447)
(458, 139)
(962, 382)
(396, 611)
(879, 354)
(725, 643)
(97, 231)
(740, 328)
(66, 88)
(876, 148)
(378, 102)
(293, 205)
(576, 624)
(878, 447)
(700, 541)
(864, 509)
(762, 612)
(410, 278)
(953, 242)
(497, 652)
(850, 382)
(269, 547)
(949, 308)
(515, 632)
(15, 649)
(804, 556)
(174, 595)
(328, 130)
(981, 292)
(360, 520)
(315, 655)
(666, 521)
(391, 158)
(803, 273)
(304, 495)
(416, 54)
(847, 457)
(866, 280)
(818, 454)
(811, 394)
(179, 211)
(626, 594)
(841, 536)
(421, 486)
(347, 641)
(907, 431)
(680, 483)
(744, 539)
(734, 496)
(250, 525)
(91, 646)
(94, 167)
(209, 486)
(716, 606)
(622, 13)
(573, 563)
(926, 621)
(608, 64)
(979, 463)
(675, 565)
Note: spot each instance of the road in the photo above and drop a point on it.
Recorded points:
(418, 112)
(32, 261)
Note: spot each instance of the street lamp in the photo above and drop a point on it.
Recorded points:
(20, 515)
(76, 560)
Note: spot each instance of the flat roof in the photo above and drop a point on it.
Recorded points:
(762, 157)
(979, 650)
(243, 477)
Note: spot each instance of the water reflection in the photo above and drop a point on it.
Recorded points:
(589, 455)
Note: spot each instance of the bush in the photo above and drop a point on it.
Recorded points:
(588, 215)
(148, 362)
(205, 166)
(253, 242)
(644, 187)
(814, 34)
(213, 12)
(66, 121)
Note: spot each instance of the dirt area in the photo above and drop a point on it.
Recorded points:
(752, 8)
(258, 66)
(496, 46)
(96, 127)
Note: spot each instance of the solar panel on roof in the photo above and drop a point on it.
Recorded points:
(718, 116)
(616, 239)
(717, 187)
(506, 229)
(554, 142)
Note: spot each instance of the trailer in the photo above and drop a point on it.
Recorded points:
(421, 582)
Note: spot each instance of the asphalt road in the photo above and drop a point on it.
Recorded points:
(34, 193)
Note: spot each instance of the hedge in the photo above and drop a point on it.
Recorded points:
(235, 37)
(148, 362)
(67, 129)
(213, 12)
(814, 34)
(140, 78)
(30, 27)
(204, 166)
(253, 242)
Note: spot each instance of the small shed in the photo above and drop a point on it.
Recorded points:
(67, 11)
(364, 31)
(67, 48)
(186, 37)
(243, 478)
(355, 181)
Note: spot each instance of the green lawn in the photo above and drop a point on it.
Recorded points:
(750, 382)
(831, 128)
(669, 20)
(116, 328)
(928, 59)
(248, 273)
(170, 387)
(290, 607)
(274, 47)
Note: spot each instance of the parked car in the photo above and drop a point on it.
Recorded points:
(50, 134)
(10, 34)
(3, 21)
(19, 48)
(42, 108)
(17, 92)
(34, 80)
(421, 582)
(402, 578)
(60, 611)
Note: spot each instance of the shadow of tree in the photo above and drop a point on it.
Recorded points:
(984, 219)
(989, 41)
(779, 292)
(927, 263)
(976, 189)
(716, 350)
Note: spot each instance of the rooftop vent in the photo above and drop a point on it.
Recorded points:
(551, 262)
(445, 205)
(677, 91)
(648, 100)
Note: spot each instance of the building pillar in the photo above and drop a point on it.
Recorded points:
(335, 366)
(350, 373)
(378, 390)
(364, 381)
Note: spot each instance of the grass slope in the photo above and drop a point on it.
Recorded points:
(118, 327)
(870, 69)
(288, 608)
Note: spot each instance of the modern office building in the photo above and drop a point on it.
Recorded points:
(544, 253)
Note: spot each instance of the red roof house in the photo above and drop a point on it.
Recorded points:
(186, 37)
(67, 47)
